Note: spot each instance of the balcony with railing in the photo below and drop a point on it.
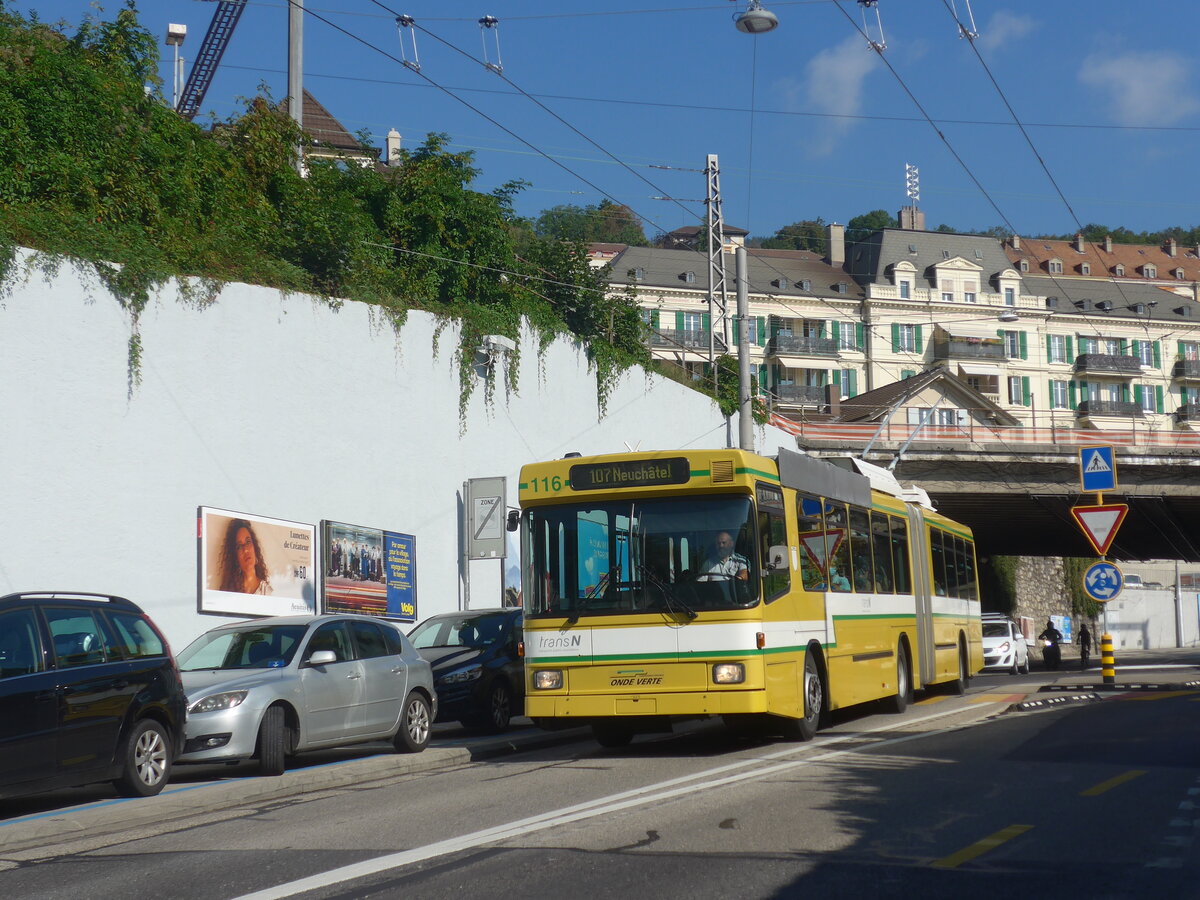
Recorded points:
(807, 395)
(802, 345)
(1188, 369)
(1108, 364)
(1189, 412)
(692, 340)
(956, 349)
(1109, 408)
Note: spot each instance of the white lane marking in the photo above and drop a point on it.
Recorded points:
(663, 790)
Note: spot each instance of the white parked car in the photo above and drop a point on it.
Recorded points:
(269, 688)
(1004, 647)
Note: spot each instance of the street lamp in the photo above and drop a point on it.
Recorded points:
(175, 38)
(1009, 315)
(756, 20)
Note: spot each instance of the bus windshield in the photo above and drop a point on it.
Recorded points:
(675, 555)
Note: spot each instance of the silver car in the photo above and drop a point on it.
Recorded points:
(269, 688)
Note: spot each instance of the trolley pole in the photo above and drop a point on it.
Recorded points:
(745, 401)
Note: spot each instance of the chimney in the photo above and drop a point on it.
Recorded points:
(1108, 243)
(911, 219)
(836, 239)
(1172, 248)
(393, 148)
(1079, 243)
(833, 400)
(1016, 242)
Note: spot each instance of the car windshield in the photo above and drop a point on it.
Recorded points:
(249, 648)
(459, 631)
(995, 629)
(667, 555)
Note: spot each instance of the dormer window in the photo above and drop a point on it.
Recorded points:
(1139, 308)
(978, 253)
(905, 290)
(1118, 270)
(1054, 267)
(1179, 274)
(805, 284)
(782, 283)
(1150, 271)
(912, 248)
(689, 277)
(1023, 265)
(841, 287)
(1085, 268)
(639, 274)
(945, 254)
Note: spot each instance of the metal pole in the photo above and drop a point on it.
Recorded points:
(464, 557)
(745, 402)
(296, 71)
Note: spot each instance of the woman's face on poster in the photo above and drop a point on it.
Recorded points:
(247, 558)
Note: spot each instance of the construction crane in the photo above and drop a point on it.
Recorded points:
(208, 57)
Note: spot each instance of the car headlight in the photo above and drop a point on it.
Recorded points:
(213, 702)
(729, 673)
(471, 673)
(548, 679)
(1003, 648)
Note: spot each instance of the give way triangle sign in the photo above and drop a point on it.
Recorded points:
(1100, 523)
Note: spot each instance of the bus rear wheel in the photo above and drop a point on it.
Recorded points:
(898, 703)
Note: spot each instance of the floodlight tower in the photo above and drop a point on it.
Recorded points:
(175, 38)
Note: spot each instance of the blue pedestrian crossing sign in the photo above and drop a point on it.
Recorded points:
(1097, 468)
(1103, 581)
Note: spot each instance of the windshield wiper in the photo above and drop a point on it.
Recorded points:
(667, 592)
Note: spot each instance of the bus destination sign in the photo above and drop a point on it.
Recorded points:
(629, 473)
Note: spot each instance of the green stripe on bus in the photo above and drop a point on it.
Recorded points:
(748, 471)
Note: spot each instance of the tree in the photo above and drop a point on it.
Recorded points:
(606, 222)
(876, 220)
(808, 234)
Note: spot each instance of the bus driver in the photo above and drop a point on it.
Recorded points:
(726, 564)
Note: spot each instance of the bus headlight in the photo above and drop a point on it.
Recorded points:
(729, 673)
(547, 679)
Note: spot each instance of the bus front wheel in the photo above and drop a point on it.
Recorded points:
(814, 704)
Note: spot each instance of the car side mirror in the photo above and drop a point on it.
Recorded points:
(322, 658)
(777, 557)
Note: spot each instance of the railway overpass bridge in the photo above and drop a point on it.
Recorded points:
(1015, 486)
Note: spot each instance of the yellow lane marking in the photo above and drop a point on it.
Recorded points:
(981, 847)
(1103, 786)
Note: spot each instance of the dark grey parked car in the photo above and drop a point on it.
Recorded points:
(88, 692)
(269, 688)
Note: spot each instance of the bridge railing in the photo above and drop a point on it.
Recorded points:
(971, 431)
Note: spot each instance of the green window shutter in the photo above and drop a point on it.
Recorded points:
(920, 346)
(1183, 396)
(1000, 333)
(907, 373)
(706, 322)
(1137, 348)
(1072, 395)
(1026, 392)
(1051, 395)
(1125, 394)
(1083, 390)
(1124, 346)
(895, 337)
(1137, 394)
(1181, 349)
(1156, 346)
(762, 331)
(853, 391)
(1158, 398)
(1070, 349)
(679, 320)
(737, 329)
(837, 377)
(821, 330)
(1024, 344)
(859, 335)
(1049, 348)
(835, 331)
(654, 319)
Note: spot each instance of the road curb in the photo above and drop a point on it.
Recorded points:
(43, 830)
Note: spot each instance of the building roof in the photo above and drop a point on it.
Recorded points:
(327, 132)
(1098, 299)
(874, 405)
(870, 259)
(1134, 257)
(772, 272)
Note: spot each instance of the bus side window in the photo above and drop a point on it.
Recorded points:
(881, 538)
(839, 546)
(772, 531)
(811, 532)
(900, 555)
(860, 550)
(938, 556)
(972, 582)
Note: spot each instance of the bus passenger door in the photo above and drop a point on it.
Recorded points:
(922, 588)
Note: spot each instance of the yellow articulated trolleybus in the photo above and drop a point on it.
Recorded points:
(666, 585)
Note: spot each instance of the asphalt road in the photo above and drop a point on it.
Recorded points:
(957, 797)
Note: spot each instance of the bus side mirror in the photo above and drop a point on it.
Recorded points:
(513, 522)
(777, 557)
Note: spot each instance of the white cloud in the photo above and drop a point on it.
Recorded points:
(832, 84)
(1005, 28)
(1143, 88)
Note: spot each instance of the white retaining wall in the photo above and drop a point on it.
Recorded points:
(275, 405)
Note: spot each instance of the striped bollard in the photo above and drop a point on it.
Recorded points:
(1108, 663)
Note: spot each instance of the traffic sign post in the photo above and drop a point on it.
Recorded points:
(1097, 468)
(1100, 523)
(1103, 581)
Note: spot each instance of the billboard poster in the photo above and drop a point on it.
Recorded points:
(369, 571)
(253, 565)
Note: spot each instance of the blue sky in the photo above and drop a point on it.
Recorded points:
(807, 121)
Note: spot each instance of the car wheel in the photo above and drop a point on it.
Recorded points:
(1016, 668)
(272, 742)
(898, 702)
(608, 735)
(499, 707)
(1025, 668)
(145, 760)
(413, 734)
